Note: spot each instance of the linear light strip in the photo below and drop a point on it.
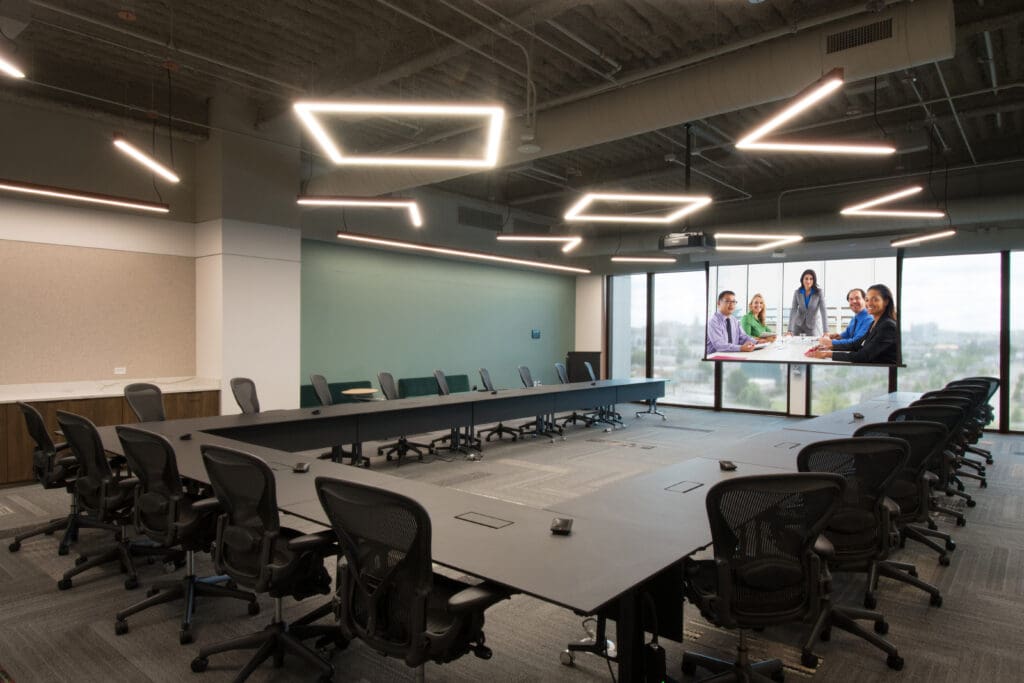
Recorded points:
(571, 242)
(456, 252)
(922, 238)
(643, 259)
(691, 203)
(146, 160)
(409, 204)
(61, 193)
(775, 242)
(862, 208)
(10, 68)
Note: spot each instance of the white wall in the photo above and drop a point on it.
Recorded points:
(590, 313)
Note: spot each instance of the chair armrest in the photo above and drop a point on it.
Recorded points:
(129, 483)
(321, 539)
(824, 547)
(66, 461)
(62, 446)
(930, 478)
(476, 598)
(207, 506)
(891, 507)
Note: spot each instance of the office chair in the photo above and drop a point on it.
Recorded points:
(258, 553)
(167, 515)
(911, 489)
(501, 429)
(402, 446)
(766, 533)
(586, 418)
(244, 391)
(862, 530)
(971, 399)
(337, 453)
(458, 440)
(146, 401)
(388, 595)
(957, 441)
(981, 392)
(544, 425)
(52, 470)
(323, 391)
(104, 502)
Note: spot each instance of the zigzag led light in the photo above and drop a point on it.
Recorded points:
(866, 208)
(768, 241)
(570, 242)
(409, 204)
(690, 204)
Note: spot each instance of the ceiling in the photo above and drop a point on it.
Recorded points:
(958, 123)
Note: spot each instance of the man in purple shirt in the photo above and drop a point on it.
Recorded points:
(724, 333)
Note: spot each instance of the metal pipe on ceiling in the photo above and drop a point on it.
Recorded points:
(956, 117)
(927, 112)
(990, 55)
(592, 49)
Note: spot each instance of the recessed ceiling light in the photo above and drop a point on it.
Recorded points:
(146, 160)
(9, 68)
(863, 208)
(494, 115)
(831, 82)
(90, 198)
(917, 239)
(409, 204)
(689, 204)
(444, 251)
(643, 259)
(761, 241)
(570, 241)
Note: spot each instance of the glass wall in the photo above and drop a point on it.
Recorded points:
(679, 338)
(755, 386)
(1016, 385)
(950, 320)
(834, 387)
(627, 323)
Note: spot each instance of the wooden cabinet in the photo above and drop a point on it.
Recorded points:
(16, 445)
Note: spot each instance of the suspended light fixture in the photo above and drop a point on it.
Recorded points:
(570, 242)
(761, 241)
(866, 208)
(828, 84)
(415, 217)
(87, 197)
(9, 68)
(493, 115)
(917, 239)
(643, 259)
(146, 160)
(688, 204)
(444, 251)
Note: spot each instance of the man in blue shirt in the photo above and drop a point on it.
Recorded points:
(858, 327)
(724, 333)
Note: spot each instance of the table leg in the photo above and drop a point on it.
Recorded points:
(652, 409)
(629, 630)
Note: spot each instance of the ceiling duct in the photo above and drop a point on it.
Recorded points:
(923, 32)
(857, 36)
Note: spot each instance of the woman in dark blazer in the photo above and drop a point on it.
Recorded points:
(881, 344)
(808, 302)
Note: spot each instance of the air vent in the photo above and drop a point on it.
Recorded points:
(857, 36)
(478, 218)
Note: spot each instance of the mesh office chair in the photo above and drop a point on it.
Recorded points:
(911, 489)
(586, 418)
(52, 470)
(971, 399)
(104, 501)
(402, 446)
(955, 444)
(146, 401)
(501, 429)
(982, 388)
(244, 391)
(323, 391)
(258, 553)
(167, 515)
(337, 453)
(544, 425)
(863, 529)
(388, 595)
(457, 439)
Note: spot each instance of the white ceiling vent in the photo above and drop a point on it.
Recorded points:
(858, 35)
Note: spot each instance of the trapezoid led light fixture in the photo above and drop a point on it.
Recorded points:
(87, 197)
(459, 253)
(643, 259)
(415, 217)
(9, 68)
(767, 241)
(688, 204)
(569, 242)
(914, 240)
(494, 116)
(146, 160)
(810, 96)
(867, 208)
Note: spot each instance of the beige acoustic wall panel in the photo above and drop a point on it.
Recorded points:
(74, 313)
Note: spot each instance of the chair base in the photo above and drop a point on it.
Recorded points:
(51, 527)
(122, 552)
(403, 447)
(458, 441)
(500, 430)
(742, 670)
(846, 619)
(898, 571)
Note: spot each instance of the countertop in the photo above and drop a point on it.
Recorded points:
(62, 391)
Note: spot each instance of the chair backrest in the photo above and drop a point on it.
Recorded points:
(387, 385)
(485, 379)
(87, 447)
(563, 374)
(590, 370)
(925, 439)
(246, 531)
(525, 376)
(146, 401)
(323, 392)
(244, 390)
(385, 540)
(442, 383)
(992, 383)
(45, 470)
(152, 460)
(764, 527)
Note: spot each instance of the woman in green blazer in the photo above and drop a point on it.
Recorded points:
(753, 324)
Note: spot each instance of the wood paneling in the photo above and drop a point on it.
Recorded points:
(16, 457)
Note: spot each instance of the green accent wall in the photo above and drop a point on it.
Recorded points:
(366, 310)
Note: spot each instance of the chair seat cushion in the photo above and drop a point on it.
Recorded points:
(770, 574)
(852, 521)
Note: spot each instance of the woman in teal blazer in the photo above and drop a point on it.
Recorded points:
(808, 303)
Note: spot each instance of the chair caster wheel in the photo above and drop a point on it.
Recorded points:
(809, 660)
(936, 601)
(779, 676)
(63, 550)
(895, 662)
(199, 664)
(64, 584)
(131, 583)
(912, 572)
(960, 521)
(984, 484)
(826, 635)
(482, 652)
(567, 658)
(944, 560)
(14, 547)
(881, 627)
(870, 602)
(185, 636)
(254, 608)
(972, 503)
(152, 591)
(81, 559)
(950, 545)
(120, 627)
(388, 458)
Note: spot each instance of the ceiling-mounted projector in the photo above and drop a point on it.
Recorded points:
(685, 242)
